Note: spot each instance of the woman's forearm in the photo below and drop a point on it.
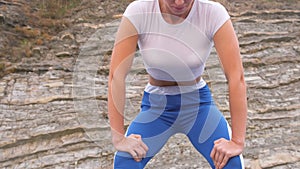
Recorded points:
(227, 47)
(116, 94)
(238, 109)
(116, 104)
(121, 61)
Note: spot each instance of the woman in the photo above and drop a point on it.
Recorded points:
(175, 38)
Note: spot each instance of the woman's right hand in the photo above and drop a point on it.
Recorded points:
(134, 145)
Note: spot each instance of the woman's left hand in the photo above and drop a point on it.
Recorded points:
(223, 150)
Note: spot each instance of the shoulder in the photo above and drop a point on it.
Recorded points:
(140, 5)
(210, 5)
(137, 12)
(213, 15)
(141, 2)
(211, 10)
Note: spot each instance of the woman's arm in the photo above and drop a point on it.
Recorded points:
(121, 61)
(227, 46)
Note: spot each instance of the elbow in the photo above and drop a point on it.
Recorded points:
(238, 80)
(116, 75)
(241, 80)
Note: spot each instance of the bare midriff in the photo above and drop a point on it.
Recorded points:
(161, 83)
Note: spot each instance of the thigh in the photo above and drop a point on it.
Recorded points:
(211, 125)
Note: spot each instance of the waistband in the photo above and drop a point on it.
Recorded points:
(163, 83)
(173, 90)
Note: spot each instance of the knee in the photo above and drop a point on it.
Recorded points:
(123, 160)
(236, 162)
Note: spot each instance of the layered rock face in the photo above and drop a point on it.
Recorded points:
(53, 93)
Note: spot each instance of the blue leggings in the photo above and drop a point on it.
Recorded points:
(193, 114)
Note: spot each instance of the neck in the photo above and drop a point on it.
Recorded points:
(171, 17)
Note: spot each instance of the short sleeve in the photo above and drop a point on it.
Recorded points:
(217, 17)
(134, 13)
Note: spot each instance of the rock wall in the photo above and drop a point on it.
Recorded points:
(53, 110)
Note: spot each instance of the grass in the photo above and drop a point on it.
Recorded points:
(41, 20)
(56, 9)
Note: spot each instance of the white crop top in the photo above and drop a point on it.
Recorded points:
(176, 52)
